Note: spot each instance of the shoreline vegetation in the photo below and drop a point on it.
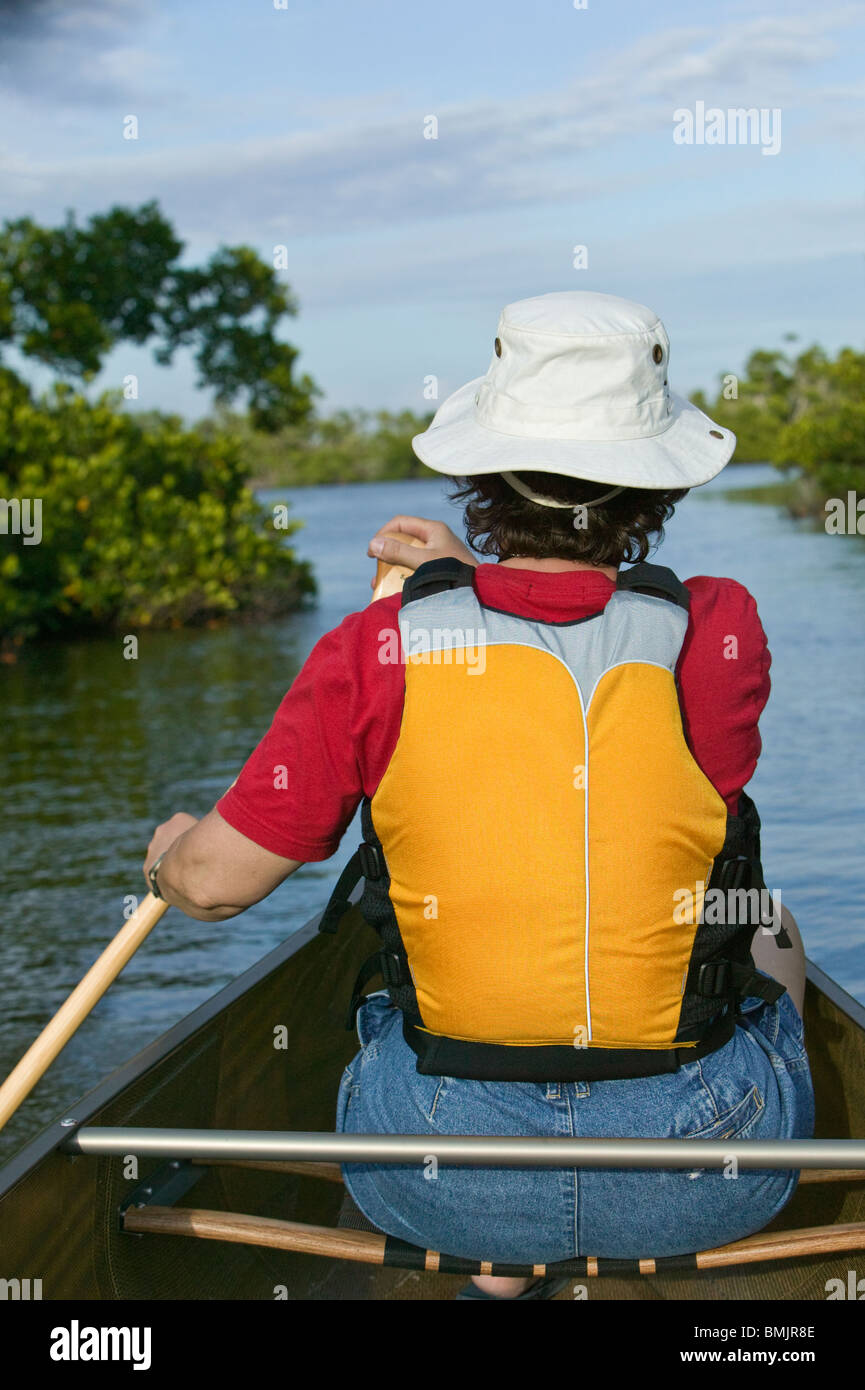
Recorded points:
(804, 414)
(114, 518)
(348, 446)
(796, 495)
(142, 524)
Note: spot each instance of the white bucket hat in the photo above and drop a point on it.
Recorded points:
(578, 386)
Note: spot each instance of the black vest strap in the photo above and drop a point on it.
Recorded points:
(384, 963)
(442, 1056)
(338, 903)
(367, 862)
(435, 576)
(656, 580)
(732, 981)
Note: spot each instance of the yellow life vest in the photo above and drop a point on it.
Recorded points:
(526, 844)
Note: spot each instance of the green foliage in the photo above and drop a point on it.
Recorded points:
(143, 523)
(69, 294)
(805, 413)
(826, 436)
(346, 447)
(760, 408)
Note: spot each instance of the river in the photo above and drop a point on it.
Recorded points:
(98, 749)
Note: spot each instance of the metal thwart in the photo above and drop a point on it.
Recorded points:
(470, 1151)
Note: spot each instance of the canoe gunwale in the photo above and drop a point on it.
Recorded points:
(836, 994)
(58, 1132)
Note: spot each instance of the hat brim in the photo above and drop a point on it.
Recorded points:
(684, 455)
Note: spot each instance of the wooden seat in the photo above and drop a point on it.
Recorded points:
(369, 1246)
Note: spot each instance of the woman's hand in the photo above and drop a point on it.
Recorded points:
(437, 542)
(212, 871)
(164, 835)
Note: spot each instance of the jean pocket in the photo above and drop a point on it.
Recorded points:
(782, 1027)
(432, 1101)
(373, 1017)
(790, 1035)
(734, 1122)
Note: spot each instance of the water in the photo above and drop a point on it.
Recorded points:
(97, 750)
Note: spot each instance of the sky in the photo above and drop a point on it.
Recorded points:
(301, 124)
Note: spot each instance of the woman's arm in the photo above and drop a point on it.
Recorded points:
(210, 871)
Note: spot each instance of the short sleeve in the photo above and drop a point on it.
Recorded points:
(328, 744)
(724, 682)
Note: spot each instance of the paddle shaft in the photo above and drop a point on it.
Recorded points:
(389, 579)
(69, 1016)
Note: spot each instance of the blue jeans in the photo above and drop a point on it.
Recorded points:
(757, 1086)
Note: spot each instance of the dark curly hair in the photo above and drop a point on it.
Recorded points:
(500, 521)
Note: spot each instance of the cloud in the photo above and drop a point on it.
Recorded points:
(468, 264)
(74, 52)
(380, 221)
(350, 178)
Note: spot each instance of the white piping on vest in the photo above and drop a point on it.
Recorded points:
(585, 711)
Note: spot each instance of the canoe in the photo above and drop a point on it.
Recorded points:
(266, 1054)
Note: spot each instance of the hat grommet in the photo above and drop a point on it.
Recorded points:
(716, 434)
(497, 346)
(658, 353)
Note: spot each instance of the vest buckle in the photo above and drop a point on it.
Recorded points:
(371, 864)
(736, 872)
(713, 979)
(391, 968)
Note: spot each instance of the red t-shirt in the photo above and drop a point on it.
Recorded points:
(335, 730)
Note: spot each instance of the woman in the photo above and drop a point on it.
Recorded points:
(551, 753)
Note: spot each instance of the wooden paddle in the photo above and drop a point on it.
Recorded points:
(389, 579)
(37, 1059)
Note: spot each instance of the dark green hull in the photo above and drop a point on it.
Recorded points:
(219, 1069)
